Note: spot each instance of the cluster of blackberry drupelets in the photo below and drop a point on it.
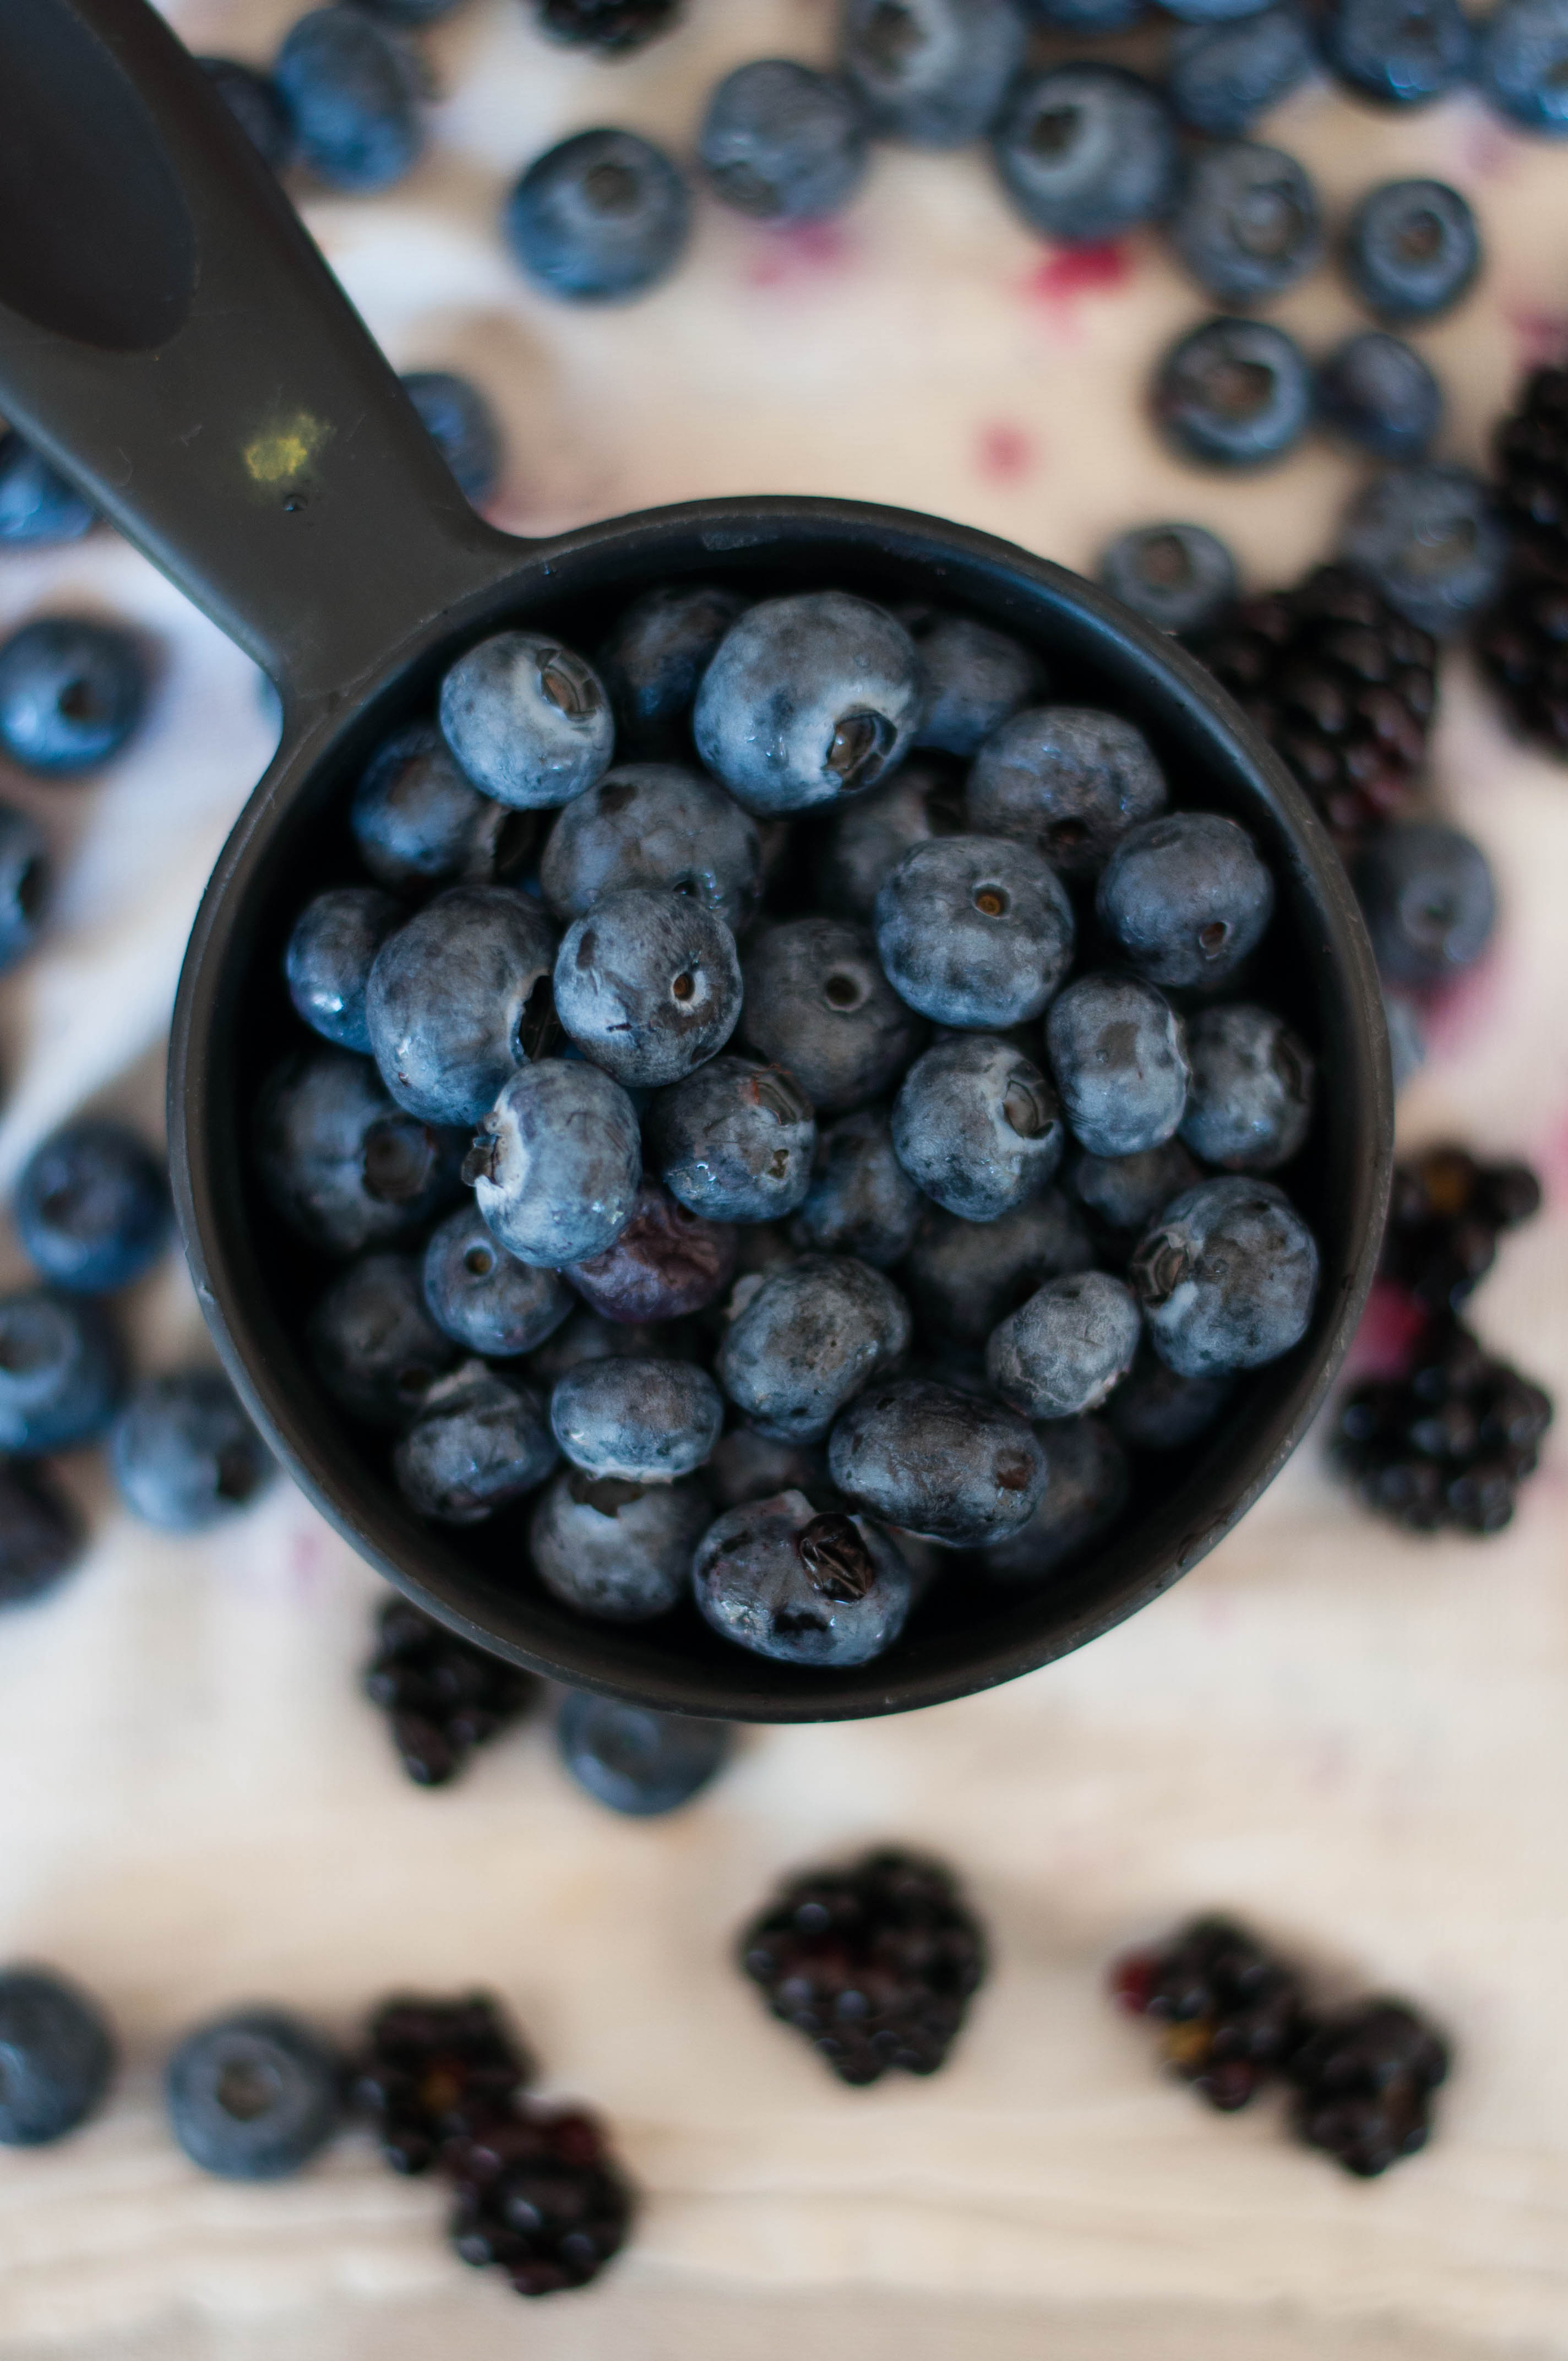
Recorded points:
(1523, 641)
(1233, 2019)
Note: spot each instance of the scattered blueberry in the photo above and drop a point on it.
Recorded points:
(448, 994)
(329, 957)
(864, 841)
(410, 12)
(644, 1420)
(655, 656)
(734, 1141)
(602, 216)
(1186, 897)
(934, 72)
(38, 508)
(482, 1297)
(480, 1441)
(952, 1467)
(1412, 249)
(24, 881)
(1522, 65)
(62, 1371)
(782, 142)
(1066, 1350)
(976, 678)
(818, 1002)
(1234, 394)
(1119, 1056)
(977, 1127)
(808, 698)
(70, 694)
(417, 821)
(649, 824)
(257, 105)
(974, 930)
(1249, 1101)
(40, 1539)
(638, 1761)
(648, 985)
(342, 1163)
(253, 2097)
(666, 1263)
(964, 1277)
(529, 720)
(1126, 1192)
(1226, 1277)
(1088, 1488)
(92, 1206)
(1092, 17)
(612, 27)
(620, 1552)
(807, 1340)
(1246, 223)
(463, 427)
(185, 1453)
(1401, 52)
(1068, 780)
(1086, 151)
(352, 93)
(805, 1588)
(1221, 78)
(57, 2055)
(1176, 576)
(555, 1170)
(861, 1202)
(1428, 540)
(1427, 894)
(1155, 1409)
(374, 1346)
(1377, 392)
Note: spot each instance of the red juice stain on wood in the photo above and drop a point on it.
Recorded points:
(1069, 272)
(799, 251)
(1004, 454)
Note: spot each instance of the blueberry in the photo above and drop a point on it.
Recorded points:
(556, 1167)
(782, 142)
(638, 1761)
(818, 1002)
(410, 12)
(1178, 577)
(1186, 899)
(976, 678)
(1154, 1410)
(934, 72)
(602, 216)
(62, 1371)
(1221, 78)
(964, 1277)
(254, 2095)
(787, 1582)
(644, 1420)
(648, 985)
(950, 1467)
(587, 1335)
(341, 1160)
(70, 694)
(1086, 151)
(1250, 1098)
(1426, 895)
(656, 655)
(352, 93)
(417, 821)
(329, 957)
(977, 1127)
(1070, 781)
(463, 427)
(1226, 1277)
(861, 842)
(747, 1466)
(861, 1203)
(975, 931)
(57, 2055)
(1119, 1056)
(40, 1538)
(666, 1264)
(1246, 224)
(529, 720)
(620, 1552)
(258, 108)
(1428, 540)
(92, 1206)
(1523, 64)
(734, 1141)
(483, 1298)
(38, 508)
(654, 824)
(185, 1453)
(1087, 16)
(808, 698)
(1067, 1349)
(1411, 249)
(806, 1341)
(1086, 1491)
(1234, 394)
(1210, 12)
(1374, 392)
(374, 1346)
(1126, 1192)
(480, 1441)
(1401, 52)
(24, 882)
(449, 992)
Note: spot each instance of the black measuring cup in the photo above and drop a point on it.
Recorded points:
(169, 334)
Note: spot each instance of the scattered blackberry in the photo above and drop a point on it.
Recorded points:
(1445, 1221)
(1341, 686)
(442, 1696)
(435, 2073)
(613, 26)
(1365, 2081)
(1229, 2014)
(1522, 645)
(875, 1964)
(1530, 449)
(1447, 1444)
(539, 2197)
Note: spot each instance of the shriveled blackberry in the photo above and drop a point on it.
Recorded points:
(1365, 2081)
(442, 1696)
(541, 2198)
(434, 2072)
(1447, 1444)
(1343, 689)
(1530, 452)
(1230, 2015)
(613, 26)
(875, 1964)
(1445, 1221)
(1522, 645)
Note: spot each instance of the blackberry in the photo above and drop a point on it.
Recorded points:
(442, 1696)
(1365, 2081)
(434, 2073)
(875, 1964)
(613, 26)
(541, 2198)
(1530, 454)
(1447, 1444)
(1342, 687)
(1522, 645)
(1445, 1221)
(1229, 2014)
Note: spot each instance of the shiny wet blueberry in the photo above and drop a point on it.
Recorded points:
(818, 1002)
(419, 822)
(41, 1534)
(1227, 1276)
(644, 1420)
(528, 719)
(734, 1141)
(963, 1277)
(648, 985)
(654, 657)
(342, 1162)
(781, 142)
(1377, 392)
(555, 1170)
(859, 845)
(977, 1125)
(253, 2097)
(1178, 577)
(482, 1297)
(92, 1206)
(479, 1443)
(952, 1467)
(1246, 223)
(1399, 52)
(185, 1453)
(353, 94)
(1068, 780)
(807, 1340)
(62, 1371)
(24, 882)
(448, 999)
(462, 425)
(599, 218)
(329, 957)
(38, 508)
(57, 2055)
(666, 1263)
(1086, 151)
(1428, 538)
(1234, 393)
(1221, 78)
(617, 1551)
(1249, 1101)
(1186, 898)
(862, 1201)
(1118, 1053)
(1412, 249)
(374, 1345)
(72, 693)
(1067, 1349)
(654, 824)
(933, 71)
(976, 678)
(1088, 1487)
(975, 931)
(638, 1761)
(785, 1581)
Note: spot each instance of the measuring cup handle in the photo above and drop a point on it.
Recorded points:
(170, 335)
